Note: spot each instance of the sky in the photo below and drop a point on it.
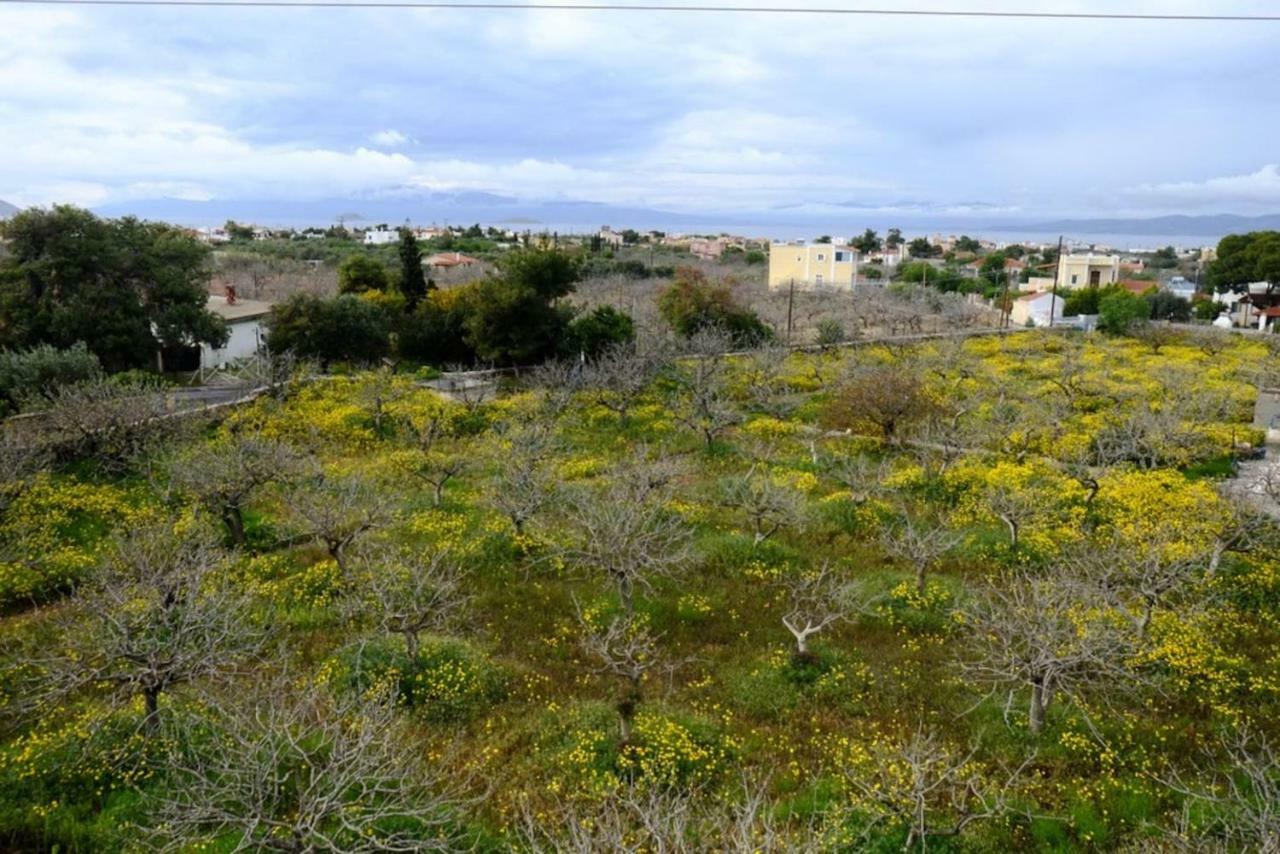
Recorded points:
(689, 112)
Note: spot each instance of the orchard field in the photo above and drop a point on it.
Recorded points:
(982, 594)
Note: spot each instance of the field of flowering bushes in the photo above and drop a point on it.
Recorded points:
(982, 594)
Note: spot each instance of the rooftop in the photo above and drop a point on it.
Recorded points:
(241, 309)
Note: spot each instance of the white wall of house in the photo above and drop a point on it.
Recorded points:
(246, 338)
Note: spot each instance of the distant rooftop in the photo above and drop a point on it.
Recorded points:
(241, 309)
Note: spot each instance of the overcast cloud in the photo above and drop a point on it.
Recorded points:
(688, 112)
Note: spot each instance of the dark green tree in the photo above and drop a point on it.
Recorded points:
(1120, 311)
(968, 244)
(920, 247)
(894, 239)
(508, 323)
(126, 288)
(344, 328)
(549, 273)
(869, 242)
(1246, 258)
(360, 272)
(413, 282)
(598, 330)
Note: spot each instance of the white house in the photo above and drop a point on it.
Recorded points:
(245, 321)
(1034, 309)
(381, 236)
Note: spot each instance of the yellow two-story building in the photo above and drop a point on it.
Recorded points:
(812, 265)
(1088, 271)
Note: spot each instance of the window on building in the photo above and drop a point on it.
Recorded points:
(842, 256)
(821, 257)
(1074, 278)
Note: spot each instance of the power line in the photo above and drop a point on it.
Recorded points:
(657, 7)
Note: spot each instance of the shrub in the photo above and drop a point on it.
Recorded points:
(829, 333)
(666, 751)
(41, 370)
(599, 330)
(1120, 311)
(691, 304)
(448, 683)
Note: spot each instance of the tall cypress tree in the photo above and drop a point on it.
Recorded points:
(413, 283)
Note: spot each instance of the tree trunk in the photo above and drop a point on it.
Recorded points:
(234, 520)
(439, 493)
(628, 704)
(411, 644)
(1013, 533)
(920, 578)
(1036, 712)
(151, 702)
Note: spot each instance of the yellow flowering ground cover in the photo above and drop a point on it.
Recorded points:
(1027, 457)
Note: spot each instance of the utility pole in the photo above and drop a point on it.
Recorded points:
(1053, 299)
(791, 297)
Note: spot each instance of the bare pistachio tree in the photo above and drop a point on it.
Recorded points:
(642, 819)
(224, 475)
(376, 393)
(20, 460)
(768, 505)
(431, 456)
(111, 423)
(408, 592)
(815, 600)
(1139, 580)
(522, 486)
(1237, 799)
(559, 382)
(920, 542)
(863, 476)
(763, 372)
(1052, 635)
(618, 378)
(305, 771)
(337, 510)
(627, 650)
(270, 371)
(700, 396)
(625, 532)
(925, 787)
(158, 615)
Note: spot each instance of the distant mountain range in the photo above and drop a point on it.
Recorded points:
(1210, 224)
(440, 208)
(568, 215)
(7, 210)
